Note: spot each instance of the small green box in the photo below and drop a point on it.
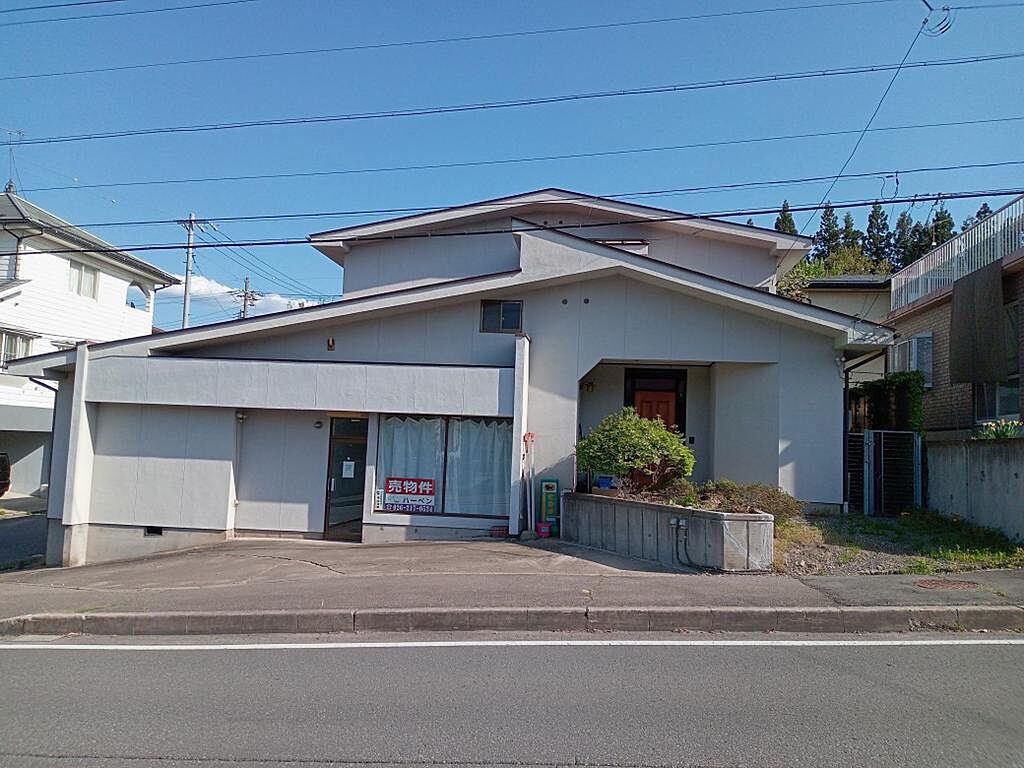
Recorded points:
(549, 504)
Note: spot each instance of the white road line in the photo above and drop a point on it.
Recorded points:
(780, 643)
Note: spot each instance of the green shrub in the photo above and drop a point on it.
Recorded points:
(624, 443)
(1000, 430)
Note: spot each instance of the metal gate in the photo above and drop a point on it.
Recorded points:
(884, 471)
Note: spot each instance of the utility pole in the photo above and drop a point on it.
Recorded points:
(248, 297)
(189, 225)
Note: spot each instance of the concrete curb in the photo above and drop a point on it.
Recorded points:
(628, 619)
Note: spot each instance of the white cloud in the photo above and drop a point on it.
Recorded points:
(213, 301)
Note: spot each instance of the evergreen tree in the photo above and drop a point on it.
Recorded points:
(850, 236)
(902, 240)
(983, 213)
(943, 226)
(920, 242)
(877, 243)
(784, 222)
(828, 236)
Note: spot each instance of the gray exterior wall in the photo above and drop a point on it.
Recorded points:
(386, 266)
(771, 403)
(282, 471)
(158, 465)
(30, 459)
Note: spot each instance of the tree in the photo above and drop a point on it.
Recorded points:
(901, 240)
(983, 213)
(844, 260)
(877, 242)
(784, 222)
(828, 236)
(920, 242)
(624, 443)
(850, 235)
(943, 226)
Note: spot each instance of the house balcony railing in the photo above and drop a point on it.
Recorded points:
(990, 240)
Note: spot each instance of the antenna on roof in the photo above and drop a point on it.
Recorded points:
(13, 135)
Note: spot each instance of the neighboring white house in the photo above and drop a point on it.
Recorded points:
(51, 301)
(465, 335)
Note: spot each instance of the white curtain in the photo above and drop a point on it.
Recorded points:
(477, 478)
(411, 446)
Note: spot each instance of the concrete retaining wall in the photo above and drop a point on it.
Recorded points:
(725, 542)
(979, 480)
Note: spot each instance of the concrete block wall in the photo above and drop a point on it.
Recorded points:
(717, 540)
(979, 480)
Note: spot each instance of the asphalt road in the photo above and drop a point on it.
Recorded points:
(524, 706)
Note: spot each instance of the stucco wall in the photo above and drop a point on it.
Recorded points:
(621, 320)
(441, 335)
(745, 422)
(30, 458)
(400, 264)
(282, 471)
(156, 465)
(392, 265)
(979, 480)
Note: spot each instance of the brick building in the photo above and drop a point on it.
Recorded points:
(922, 314)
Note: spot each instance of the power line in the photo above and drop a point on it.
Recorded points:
(525, 102)
(440, 40)
(720, 214)
(255, 260)
(287, 283)
(636, 194)
(137, 12)
(871, 119)
(517, 160)
(58, 5)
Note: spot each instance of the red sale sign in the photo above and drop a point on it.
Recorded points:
(409, 494)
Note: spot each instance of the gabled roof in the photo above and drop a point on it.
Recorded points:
(17, 211)
(579, 259)
(336, 242)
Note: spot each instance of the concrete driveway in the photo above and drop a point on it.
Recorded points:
(260, 574)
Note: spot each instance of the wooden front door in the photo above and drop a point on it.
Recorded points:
(650, 405)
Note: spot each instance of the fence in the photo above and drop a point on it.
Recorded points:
(985, 242)
(883, 471)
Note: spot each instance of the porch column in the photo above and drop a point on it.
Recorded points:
(522, 387)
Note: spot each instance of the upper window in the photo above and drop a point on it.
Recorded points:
(914, 354)
(13, 346)
(501, 316)
(82, 279)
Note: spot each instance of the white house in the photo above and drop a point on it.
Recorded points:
(465, 335)
(52, 299)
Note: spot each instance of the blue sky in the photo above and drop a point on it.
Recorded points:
(447, 73)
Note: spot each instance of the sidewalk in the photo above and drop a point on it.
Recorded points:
(274, 585)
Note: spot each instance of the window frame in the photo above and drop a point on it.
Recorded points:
(484, 303)
(76, 278)
(912, 345)
(439, 484)
(24, 338)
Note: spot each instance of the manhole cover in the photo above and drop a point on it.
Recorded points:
(945, 584)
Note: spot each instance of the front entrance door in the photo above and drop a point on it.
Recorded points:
(650, 405)
(346, 473)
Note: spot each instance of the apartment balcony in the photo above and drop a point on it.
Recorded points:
(999, 235)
